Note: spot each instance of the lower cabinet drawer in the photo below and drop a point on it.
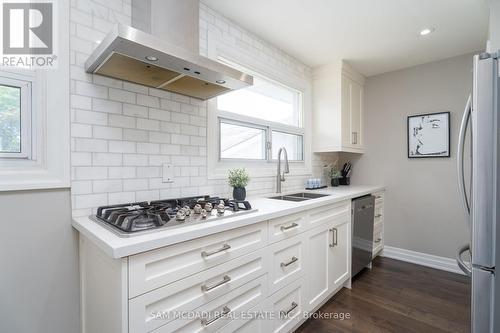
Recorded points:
(221, 311)
(154, 269)
(286, 306)
(193, 292)
(287, 262)
(378, 240)
(286, 227)
(252, 322)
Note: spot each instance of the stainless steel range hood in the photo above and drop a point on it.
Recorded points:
(151, 59)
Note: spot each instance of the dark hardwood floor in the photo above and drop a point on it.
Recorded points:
(395, 296)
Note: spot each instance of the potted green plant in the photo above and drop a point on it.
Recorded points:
(238, 179)
(335, 176)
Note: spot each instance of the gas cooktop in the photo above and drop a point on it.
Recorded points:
(142, 217)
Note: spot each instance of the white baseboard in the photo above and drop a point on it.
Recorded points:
(424, 259)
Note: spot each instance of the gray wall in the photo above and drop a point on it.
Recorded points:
(423, 211)
(494, 29)
(39, 283)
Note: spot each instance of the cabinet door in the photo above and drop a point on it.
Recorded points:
(345, 98)
(318, 242)
(340, 249)
(356, 107)
(286, 306)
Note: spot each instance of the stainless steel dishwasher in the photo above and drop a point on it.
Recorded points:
(362, 232)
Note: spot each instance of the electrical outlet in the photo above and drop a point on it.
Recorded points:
(167, 173)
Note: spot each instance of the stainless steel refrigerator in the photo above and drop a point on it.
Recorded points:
(480, 189)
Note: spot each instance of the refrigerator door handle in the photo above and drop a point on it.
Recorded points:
(460, 154)
(466, 269)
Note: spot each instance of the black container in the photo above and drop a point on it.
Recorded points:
(335, 182)
(239, 193)
(345, 181)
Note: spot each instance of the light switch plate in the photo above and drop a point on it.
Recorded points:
(168, 173)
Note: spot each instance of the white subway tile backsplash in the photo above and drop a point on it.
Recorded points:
(148, 172)
(189, 129)
(135, 110)
(106, 159)
(90, 117)
(106, 186)
(107, 81)
(135, 135)
(81, 187)
(148, 124)
(135, 184)
(122, 147)
(135, 160)
(170, 127)
(123, 133)
(91, 145)
(146, 100)
(180, 139)
(88, 173)
(81, 130)
(90, 200)
(170, 105)
(135, 87)
(122, 121)
(147, 195)
(148, 148)
(121, 95)
(159, 114)
(159, 137)
(81, 159)
(112, 133)
(170, 149)
(103, 105)
(158, 160)
(121, 197)
(180, 118)
(121, 172)
(81, 102)
(159, 93)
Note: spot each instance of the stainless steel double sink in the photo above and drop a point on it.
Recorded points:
(303, 196)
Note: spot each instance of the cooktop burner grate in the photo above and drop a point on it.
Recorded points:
(138, 217)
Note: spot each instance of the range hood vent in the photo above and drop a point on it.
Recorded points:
(136, 56)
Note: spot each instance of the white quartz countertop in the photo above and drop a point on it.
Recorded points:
(118, 247)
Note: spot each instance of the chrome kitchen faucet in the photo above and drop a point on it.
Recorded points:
(280, 177)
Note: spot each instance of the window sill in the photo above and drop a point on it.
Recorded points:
(221, 171)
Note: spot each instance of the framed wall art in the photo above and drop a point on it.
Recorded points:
(429, 135)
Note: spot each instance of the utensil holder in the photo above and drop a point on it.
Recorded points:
(345, 180)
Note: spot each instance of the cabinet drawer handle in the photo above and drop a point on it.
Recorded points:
(288, 227)
(378, 215)
(334, 235)
(378, 240)
(225, 279)
(225, 310)
(225, 247)
(285, 313)
(285, 264)
(378, 197)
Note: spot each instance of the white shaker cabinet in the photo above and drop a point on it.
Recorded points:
(284, 267)
(338, 109)
(328, 267)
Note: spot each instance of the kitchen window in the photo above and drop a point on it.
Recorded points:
(15, 118)
(254, 122)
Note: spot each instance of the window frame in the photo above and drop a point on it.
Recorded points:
(267, 125)
(217, 168)
(25, 85)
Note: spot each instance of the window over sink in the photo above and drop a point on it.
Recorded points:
(251, 124)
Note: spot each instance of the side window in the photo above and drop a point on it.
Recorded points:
(15, 118)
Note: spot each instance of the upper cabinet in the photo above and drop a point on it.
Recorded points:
(338, 95)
